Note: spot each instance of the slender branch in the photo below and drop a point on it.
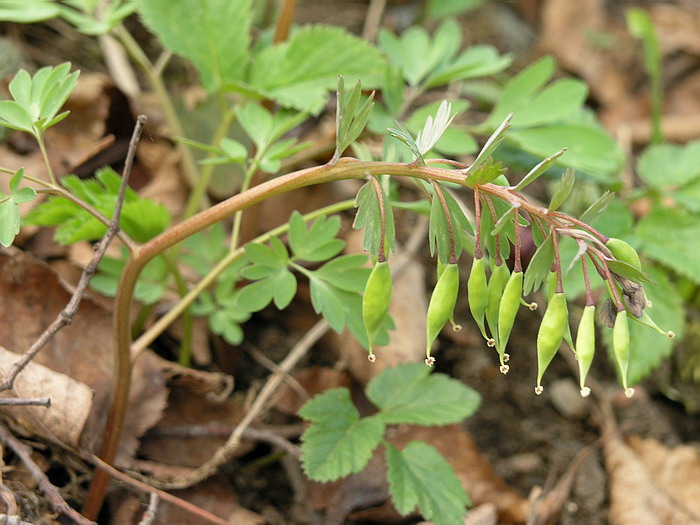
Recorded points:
(478, 252)
(586, 279)
(497, 241)
(557, 259)
(42, 147)
(186, 506)
(66, 315)
(54, 496)
(150, 515)
(34, 401)
(581, 224)
(285, 20)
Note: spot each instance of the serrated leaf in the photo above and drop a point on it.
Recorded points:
(300, 72)
(670, 237)
(338, 443)
(419, 476)
(212, 34)
(539, 266)
(562, 190)
(368, 218)
(400, 394)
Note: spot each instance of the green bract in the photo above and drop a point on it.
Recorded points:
(376, 301)
(441, 306)
(551, 334)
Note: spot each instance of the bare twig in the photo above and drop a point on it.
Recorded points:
(226, 451)
(54, 496)
(19, 401)
(201, 514)
(373, 20)
(65, 317)
(150, 515)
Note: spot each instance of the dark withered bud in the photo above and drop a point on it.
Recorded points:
(607, 313)
(633, 296)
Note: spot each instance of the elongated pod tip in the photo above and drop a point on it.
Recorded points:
(629, 392)
(371, 358)
(504, 369)
(490, 342)
(430, 361)
(539, 389)
(585, 391)
(671, 334)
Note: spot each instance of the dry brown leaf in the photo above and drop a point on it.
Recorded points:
(651, 484)
(31, 296)
(71, 400)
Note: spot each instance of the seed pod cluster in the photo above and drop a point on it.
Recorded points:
(376, 301)
(441, 305)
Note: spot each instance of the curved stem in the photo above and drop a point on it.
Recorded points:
(42, 147)
(381, 256)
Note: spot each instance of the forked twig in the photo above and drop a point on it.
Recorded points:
(65, 317)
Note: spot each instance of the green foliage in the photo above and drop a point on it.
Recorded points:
(440, 8)
(9, 208)
(37, 99)
(349, 120)
(368, 217)
(337, 446)
(299, 72)
(419, 476)
(141, 219)
(212, 34)
(151, 285)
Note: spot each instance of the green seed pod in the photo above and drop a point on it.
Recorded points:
(551, 290)
(621, 348)
(442, 304)
(507, 310)
(551, 334)
(624, 252)
(376, 301)
(497, 283)
(585, 346)
(477, 294)
(646, 320)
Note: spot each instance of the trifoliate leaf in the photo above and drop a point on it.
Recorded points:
(318, 243)
(213, 34)
(300, 72)
(419, 476)
(400, 395)
(338, 443)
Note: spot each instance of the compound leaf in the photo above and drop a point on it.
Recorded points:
(400, 394)
(338, 443)
(419, 476)
(212, 34)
